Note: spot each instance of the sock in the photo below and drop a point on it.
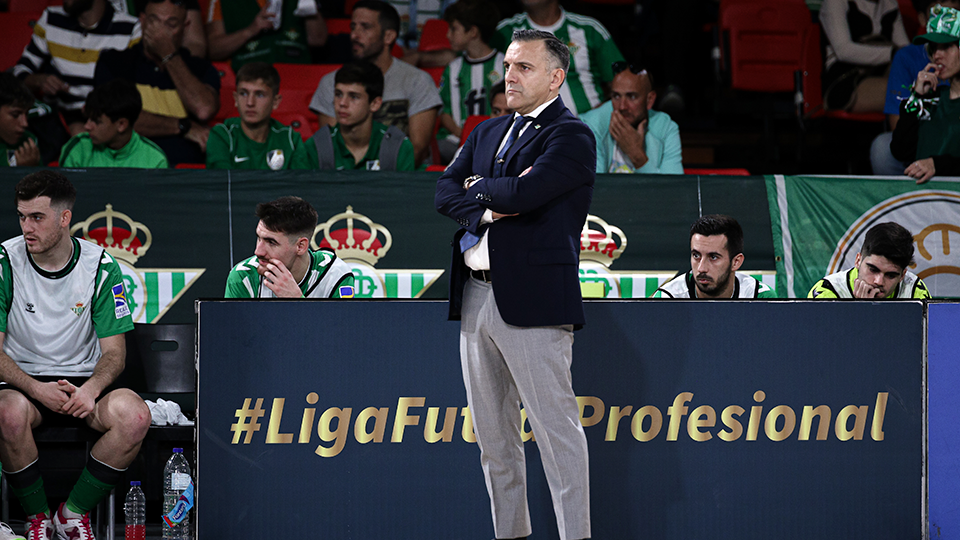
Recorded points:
(96, 482)
(27, 485)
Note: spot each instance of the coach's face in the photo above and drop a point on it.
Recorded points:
(531, 75)
(43, 226)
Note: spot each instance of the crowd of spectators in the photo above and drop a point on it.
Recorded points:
(168, 49)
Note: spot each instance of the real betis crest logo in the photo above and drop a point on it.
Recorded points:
(147, 292)
(361, 243)
(78, 309)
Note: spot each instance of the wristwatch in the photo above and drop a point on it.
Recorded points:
(184, 125)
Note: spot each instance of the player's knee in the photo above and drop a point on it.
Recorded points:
(14, 415)
(132, 415)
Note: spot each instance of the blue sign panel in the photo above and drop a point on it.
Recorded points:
(943, 378)
(348, 420)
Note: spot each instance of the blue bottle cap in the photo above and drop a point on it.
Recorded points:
(134, 482)
(177, 450)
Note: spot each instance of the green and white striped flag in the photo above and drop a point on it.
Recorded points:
(819, 223)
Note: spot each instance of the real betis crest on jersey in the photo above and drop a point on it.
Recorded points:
(146, 293)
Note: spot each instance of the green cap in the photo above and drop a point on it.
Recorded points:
(943, 26)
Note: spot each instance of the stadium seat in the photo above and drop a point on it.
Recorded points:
(348, 6)
(433, 37)
(16, 29)
(436, 168)
(436, 73)
(191, 166)
(808, 90)
(30, 6)
(298, 121)
(338, 26)
(762, 43)
(228, 83)
(298, 82)
(910, 21)
(717, 172)
(468, 125)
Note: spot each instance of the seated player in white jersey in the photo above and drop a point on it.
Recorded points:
(716, 253)
(63, 313)
(283, 265)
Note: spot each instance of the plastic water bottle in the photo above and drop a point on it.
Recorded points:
(176, 480)
(136, 513)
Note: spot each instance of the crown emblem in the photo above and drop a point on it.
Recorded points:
(122, 241)
(352, 242)
(603, 243)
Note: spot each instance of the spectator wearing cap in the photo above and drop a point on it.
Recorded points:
(928, 133)
(631, 136)
(906, 63)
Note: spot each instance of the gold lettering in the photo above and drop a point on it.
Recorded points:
(823, 414)
(613, 424)
(729, 419)
(843, 420)
(876, 431)
(656, 422)
(467, 431)
(702, 416)
(789, 422)
(676, 412)
(306, 423)
(273, 430)
(594, 403)
(337, 437)
(361, 429)
(526, 434)
(430, 426)
(403, 419)
(753, 424)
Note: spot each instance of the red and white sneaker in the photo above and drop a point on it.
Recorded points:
(39, 527)
(72, 528)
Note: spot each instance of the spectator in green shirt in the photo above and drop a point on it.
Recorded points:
(254, 140)
(109, 140)
(18, 145)
(356, 142)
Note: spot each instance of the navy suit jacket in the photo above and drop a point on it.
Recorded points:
(534, 256)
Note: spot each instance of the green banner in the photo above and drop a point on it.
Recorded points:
(819, 222)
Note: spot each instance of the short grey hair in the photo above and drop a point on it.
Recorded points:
(558, 52)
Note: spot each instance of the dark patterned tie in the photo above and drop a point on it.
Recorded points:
(499, 163)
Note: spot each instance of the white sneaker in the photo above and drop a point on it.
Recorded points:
(6, 533)
(72, 528)
(40, 527)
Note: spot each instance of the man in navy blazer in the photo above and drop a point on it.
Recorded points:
(520, 190)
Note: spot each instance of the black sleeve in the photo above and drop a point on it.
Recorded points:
(905, 136)
(947, 165)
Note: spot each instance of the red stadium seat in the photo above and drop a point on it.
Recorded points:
(720, 172)
(468, 125)
(228, 83)
(31, 6)
(436, 73)
(348, 6)
(298, 121)
(765, 43)
(298, 82)
(191, 166)
(338, 26)
(436, 168)
(16, 29)
(433, 37)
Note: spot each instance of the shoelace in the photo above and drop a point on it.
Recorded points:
(37, 527)
(82, 531)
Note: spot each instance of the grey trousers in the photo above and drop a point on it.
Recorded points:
(502, 366)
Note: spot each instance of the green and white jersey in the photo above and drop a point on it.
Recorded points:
(592, 53)
(685, 287)
(53, 320)
(840, 285)
(228, 147)
(9, 152)
(466, 83)
(328, 277)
